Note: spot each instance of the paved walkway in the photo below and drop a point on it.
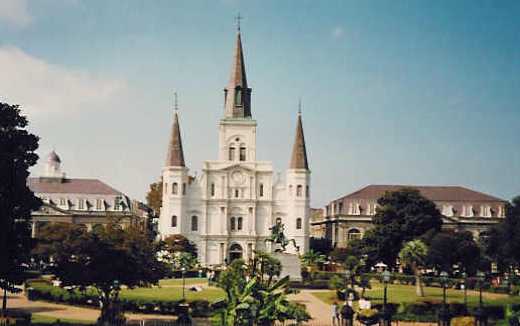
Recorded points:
(62, 311)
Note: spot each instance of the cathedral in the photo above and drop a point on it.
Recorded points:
(228, 210)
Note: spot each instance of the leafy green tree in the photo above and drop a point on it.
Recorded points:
(106, 259)
(49, 235)
(502, 243)
(154, 197)
(446, 249)
(17, 154)
(402, 216)
(414, 255)
(179, 243)
(311, 259)
(254, 296)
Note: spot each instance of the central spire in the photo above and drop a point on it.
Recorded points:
(175, 155)
(237, 95)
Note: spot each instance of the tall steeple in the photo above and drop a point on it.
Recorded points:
(299, 152)
(237, 96)
(175, 155)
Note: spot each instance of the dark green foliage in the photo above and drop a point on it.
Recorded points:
(320, 245)
(449, 248)
(17, 155)
(402, 216)
(82, 260)
(503, 241)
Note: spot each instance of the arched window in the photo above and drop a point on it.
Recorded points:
(238, 96)
(184, 188)
(299, 191)
(231, 153)
(174, 221)
(353, 234)
(232, 224)
(194, 223)
(239, 223)
(212, 190)
(242, 153)
(175, 188)
(261, 190)
(298, 223)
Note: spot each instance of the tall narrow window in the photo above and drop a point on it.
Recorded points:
(232, 153)
(194, 223)
(238, 96)
(212, 190)
(174, 221)
(184, 188)
(237, 193)
(307, 192)
(232, 224)
(298, 223)
(261, 191)
(299, 191)
(99, 204)
(239, 223)
(175, 188)
(242, 153)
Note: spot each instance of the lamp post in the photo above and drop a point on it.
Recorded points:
(348, 275)
(183, 272)
(387, 315)
(480, 314)
(465, 284)
(444, 314)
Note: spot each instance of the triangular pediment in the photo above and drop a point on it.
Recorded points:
(235, 167)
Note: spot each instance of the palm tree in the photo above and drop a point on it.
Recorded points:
(413, 254)
(311, 259)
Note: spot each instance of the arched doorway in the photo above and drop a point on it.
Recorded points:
(235, 252)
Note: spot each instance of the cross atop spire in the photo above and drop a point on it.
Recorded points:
(175, 103)
(238, 18)
(300, 106)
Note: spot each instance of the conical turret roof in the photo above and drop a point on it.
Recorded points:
(175, 155)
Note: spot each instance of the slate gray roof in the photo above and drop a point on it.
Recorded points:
(434, 193)
(71, 186)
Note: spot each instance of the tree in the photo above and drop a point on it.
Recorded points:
(311, 259)
(106, 259)
(254, 297)
(49, 235)
(502, 243)
(402, 216)
(179, 243)
(154, 196)
(320, 245)
(453, 248)
(414, 254)
(17, 154)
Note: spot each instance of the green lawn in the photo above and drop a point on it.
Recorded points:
(178, 281)
(406, 293)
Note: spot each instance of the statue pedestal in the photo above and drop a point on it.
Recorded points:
(291, 265)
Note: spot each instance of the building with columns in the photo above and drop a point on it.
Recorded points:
(349, 217)
(87, 202)
(229, 208)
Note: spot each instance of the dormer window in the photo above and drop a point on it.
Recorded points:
(467, 211)
(99, 204)
(447, 210)
(485, 211)
(63, 202)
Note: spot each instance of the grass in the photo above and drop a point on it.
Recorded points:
(168, 290)
(398, 293)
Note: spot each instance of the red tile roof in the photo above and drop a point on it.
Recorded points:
(71, 186)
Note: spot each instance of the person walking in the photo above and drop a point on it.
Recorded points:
(335, 314)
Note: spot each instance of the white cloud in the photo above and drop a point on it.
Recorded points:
(15, 12)
(46, 89)
(338, 32)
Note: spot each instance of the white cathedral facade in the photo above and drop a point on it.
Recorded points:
(229, 208)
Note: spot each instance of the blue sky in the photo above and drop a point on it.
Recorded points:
(408, 92)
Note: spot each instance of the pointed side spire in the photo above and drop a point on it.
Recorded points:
(299, 152)
(175, 155)
(238, 94)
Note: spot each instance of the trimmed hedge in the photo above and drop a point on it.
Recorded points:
(199, 308)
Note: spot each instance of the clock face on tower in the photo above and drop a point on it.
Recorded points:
(238, 177)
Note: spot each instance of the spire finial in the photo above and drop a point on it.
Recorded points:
(299, 106)
(176, 104)
(238, 18)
